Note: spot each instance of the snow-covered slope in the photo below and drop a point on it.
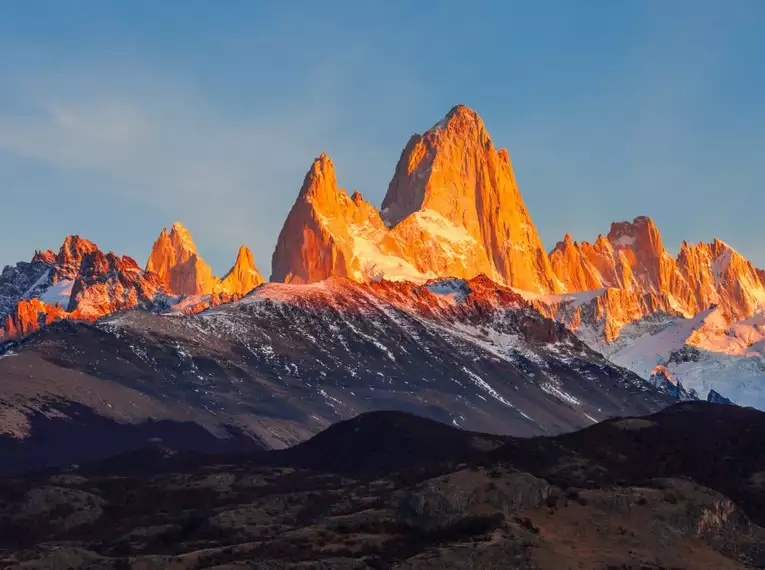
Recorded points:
(703, 353)
(288, 360)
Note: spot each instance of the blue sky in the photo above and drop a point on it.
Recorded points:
(118, 118)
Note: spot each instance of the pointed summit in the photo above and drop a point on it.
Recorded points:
(175, 261)
(576, 265)
(320, 182)
(325, 231)
(71, 253)
(243, 276)
(180, 235)
(454, 172)
(464, 122)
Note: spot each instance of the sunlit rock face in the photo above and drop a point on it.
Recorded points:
(80, 282)
(454, 177)
(243, 277)
(325, 230)
(175, 260)
(28, 316)
(452, 209)
(639, 277)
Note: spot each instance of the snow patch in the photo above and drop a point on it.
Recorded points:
(40, 280)
(560, 394)
(61, 292)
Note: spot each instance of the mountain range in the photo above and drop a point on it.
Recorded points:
(443, 302)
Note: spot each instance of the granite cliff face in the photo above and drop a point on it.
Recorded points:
(330, 234)
(452, 177)
(452, 209)
(243, 277)
(633, 276)
(175, 260)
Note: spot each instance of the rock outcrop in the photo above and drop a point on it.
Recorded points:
(174, 259)
(28, 316)
(243, 277)
(330, 234)
(182, 271)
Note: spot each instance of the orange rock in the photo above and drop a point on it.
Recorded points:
(30, 315)
(454, 174)
(574, 268)
(453, 208)
(721, 276)
(106, 283)
(328, 233)
(182, 271)
(174, 259)
(646, 278)
(243, 276)
(91, 283)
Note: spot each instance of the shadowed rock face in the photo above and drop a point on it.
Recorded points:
(391, 490)
(287, 361)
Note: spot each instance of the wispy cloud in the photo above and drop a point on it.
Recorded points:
(230, 176)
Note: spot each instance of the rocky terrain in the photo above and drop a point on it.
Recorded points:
(391, 490)
(82, 283)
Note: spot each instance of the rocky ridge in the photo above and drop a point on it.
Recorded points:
(633, 276)
(82, 283)
(452, 209)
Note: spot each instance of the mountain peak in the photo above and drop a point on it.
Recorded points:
(244, 253)
(642, 229)
(243, 276)
(71, 253)
(464, 113)
(74, 242)
(320, 181)
(461, 123)
(181, 237)
(47, 256)
(720, 245)
(453, 174)
(326, 230)
(174, 259)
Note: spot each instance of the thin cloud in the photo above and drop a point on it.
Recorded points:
(228, 177)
